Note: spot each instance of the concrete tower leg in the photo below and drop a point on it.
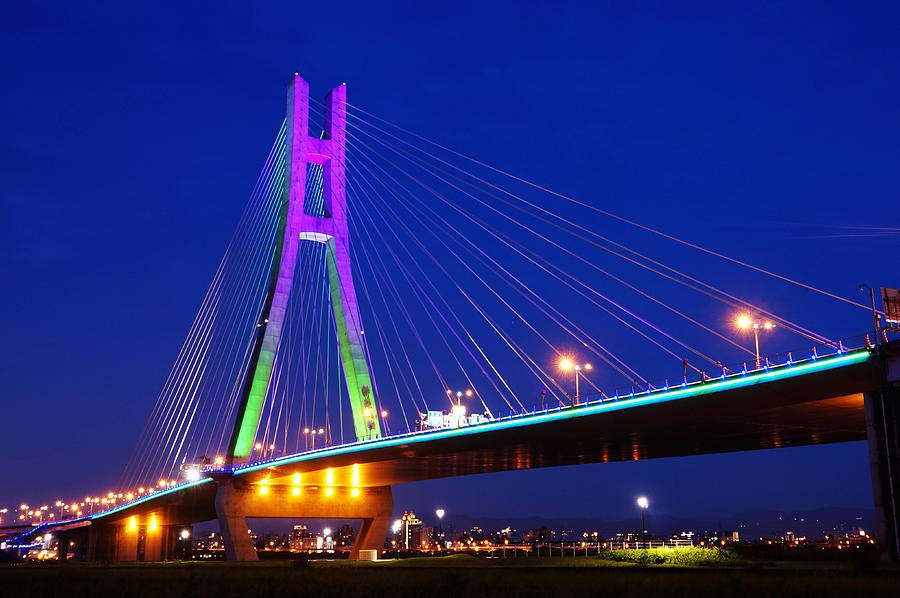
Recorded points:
(372, 533)
(883, 431)
(233, 524)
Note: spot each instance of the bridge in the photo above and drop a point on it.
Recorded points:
(242, 393)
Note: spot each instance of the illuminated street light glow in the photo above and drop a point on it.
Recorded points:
(642, 502)
(567, 364)
(744, 322)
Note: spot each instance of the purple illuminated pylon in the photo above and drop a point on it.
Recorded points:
(331, 229)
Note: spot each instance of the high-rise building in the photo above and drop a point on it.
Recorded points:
(411, 530)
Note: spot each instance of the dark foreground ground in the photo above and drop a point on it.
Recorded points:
(446, 577)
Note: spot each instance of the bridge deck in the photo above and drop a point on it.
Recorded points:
(817, 402)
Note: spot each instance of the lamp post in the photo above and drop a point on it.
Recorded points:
(567, 364)
(744, 322)
(440, 516)
(642, 503)
(875, 325)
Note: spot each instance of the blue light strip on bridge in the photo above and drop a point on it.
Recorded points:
(651, 397)
(121, 507)
(128, 505)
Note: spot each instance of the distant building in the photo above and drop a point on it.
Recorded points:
(302, 539)
(542, 534)
(343, 537)
(426, 537)
(411, 531)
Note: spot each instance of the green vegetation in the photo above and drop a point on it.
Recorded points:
(687, 556)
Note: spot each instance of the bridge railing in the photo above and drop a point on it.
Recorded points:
(766, 363)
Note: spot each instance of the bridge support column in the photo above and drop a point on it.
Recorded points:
(372, 533)
(126, 544)
(883, 431)
(159, 544)
(233, 523)
(78, 548)
(235, 501)
(101, 542)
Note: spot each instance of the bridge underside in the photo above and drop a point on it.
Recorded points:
(826, 407)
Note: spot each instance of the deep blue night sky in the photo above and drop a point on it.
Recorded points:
(132, 135)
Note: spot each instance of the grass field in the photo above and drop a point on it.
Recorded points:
(453, 577)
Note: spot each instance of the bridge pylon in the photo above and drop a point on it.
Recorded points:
(324, 222)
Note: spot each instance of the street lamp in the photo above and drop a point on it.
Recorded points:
(440, 515)
(744, 322)
(642, 503)
(875, 316)
(459, 395)
(567, 364)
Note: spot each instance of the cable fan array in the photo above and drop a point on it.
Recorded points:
(473, 283)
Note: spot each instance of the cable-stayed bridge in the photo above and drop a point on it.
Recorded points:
(379, 280)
